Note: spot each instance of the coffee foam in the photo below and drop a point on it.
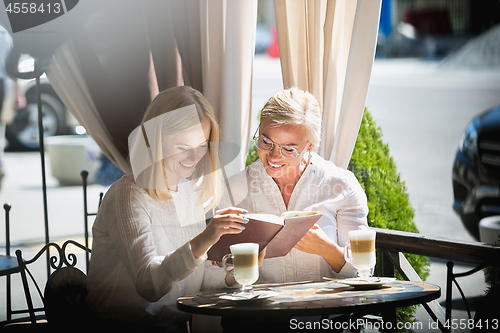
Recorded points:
(243, 248)
(363, 234)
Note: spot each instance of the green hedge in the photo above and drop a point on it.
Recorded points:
(388, 202)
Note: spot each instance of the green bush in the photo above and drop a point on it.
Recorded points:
(388, 202)
(252, 153)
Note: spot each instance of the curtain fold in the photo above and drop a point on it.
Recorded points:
(67, 80)
(228, 47)
(327, 47)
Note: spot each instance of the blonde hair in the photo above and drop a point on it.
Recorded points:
(295, 106)
(207, 174)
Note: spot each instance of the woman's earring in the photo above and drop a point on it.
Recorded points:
(310, 155)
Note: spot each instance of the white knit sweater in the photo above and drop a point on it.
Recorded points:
(141, 256)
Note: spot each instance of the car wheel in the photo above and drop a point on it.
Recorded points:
(22, 133)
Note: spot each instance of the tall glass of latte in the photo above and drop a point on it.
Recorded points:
(360, 251)
(245, 262)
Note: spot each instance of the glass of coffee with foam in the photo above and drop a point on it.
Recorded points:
(245, 263)
(360, 251)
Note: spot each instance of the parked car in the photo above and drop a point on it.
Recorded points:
(476, 171)
(22, 131)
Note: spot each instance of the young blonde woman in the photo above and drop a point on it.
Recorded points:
(150, 237)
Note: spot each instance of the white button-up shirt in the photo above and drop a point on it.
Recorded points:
(323, 187)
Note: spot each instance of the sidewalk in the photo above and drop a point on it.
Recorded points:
(22, 188)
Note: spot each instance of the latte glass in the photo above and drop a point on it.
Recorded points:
(245, 263)
(360, 251)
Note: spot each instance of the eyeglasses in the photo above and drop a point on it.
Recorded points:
(265, 144)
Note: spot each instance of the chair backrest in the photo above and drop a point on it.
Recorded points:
(7, 206)
(84, 174)
(64, 296)
(65, 290)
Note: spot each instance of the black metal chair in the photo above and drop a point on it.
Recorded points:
(64, 293)
(11, 268)
(451, 278)
(84, 174)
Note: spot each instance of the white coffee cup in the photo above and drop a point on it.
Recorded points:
(360, 251)
(245, 262)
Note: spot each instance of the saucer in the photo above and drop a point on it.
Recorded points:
(256, 295)
(367, 282)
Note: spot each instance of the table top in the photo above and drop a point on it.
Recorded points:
(311, 299)
(8, 265)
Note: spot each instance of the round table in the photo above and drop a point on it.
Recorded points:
(314, 299)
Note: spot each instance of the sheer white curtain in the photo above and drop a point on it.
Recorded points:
(108, 73)
(228, 46)
(327, 47)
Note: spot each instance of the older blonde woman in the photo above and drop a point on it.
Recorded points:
(150, 236)
(289, 175)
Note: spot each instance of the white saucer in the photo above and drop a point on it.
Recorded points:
(366, 282)
(256, 295)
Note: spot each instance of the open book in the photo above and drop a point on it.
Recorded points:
(278, 234)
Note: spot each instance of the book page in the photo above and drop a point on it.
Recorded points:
(292, 213)
(295, 228)
(256, 230)
(266, 218)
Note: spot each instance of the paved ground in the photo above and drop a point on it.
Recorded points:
(421, 109)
